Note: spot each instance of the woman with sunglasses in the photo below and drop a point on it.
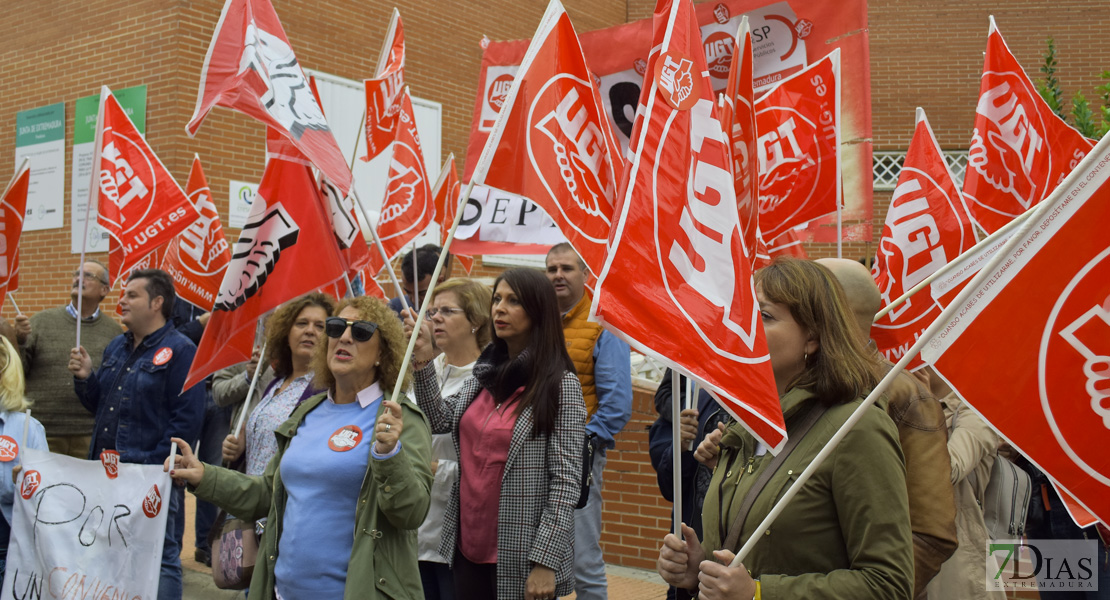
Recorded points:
(459, 318)
(350, 481)
(518, 424)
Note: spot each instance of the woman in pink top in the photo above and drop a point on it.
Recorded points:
(518, 426)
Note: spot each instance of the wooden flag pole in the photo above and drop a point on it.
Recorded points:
(983, 244)
(1026, 222)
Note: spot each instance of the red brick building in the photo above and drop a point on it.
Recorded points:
(926, 54)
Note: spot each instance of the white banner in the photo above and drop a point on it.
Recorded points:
(86, 529)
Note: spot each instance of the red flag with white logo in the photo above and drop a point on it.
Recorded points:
(198, 257)
(926, 227)
(138, 202)
(552, 142)
(446, 196)
(1030, 348)
(285, 250)
(1020, 150)
(13, 206)
(738, 119)
(250, 67)
(786, 244)
(383, 91)
(677, 285)
(798, 148)
(408, 208)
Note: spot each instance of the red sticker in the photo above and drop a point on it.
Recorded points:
(9, 448)
(163, 356)
(31, 481)
(110, 460)
(345, 438)
(676, 80)
(152, 504)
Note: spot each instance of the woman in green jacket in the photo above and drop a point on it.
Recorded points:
(846, 534)
(350, 482)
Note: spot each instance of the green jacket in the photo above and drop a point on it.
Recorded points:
(846, 534)
(393, 502)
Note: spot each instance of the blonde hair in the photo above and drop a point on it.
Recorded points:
(474, 299)
(11, 379)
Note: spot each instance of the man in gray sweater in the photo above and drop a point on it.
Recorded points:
(46, 339)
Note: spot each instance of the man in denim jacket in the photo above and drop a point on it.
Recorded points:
(137, 399)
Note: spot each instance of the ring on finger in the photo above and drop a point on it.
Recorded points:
(388, 426)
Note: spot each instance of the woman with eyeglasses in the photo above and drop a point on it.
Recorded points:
(518, 424)
(459, 318)
(350, 481)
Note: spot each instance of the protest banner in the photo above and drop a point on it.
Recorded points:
(86, 529)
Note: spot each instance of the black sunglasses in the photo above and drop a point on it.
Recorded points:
(361, 331)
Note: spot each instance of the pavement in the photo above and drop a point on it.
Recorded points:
(624, 583)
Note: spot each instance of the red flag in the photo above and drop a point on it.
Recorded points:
(138, 202)
(150, 261)
(250, 67)
(552, 142)
(446, 196)
(13, 206)
(798, 122)
(285, 250)
(738, 118)
(677, 284)
(1020, 150)
(407, 209)
(1030, 349)
(383, 91)
(198, 257)
(786, 244)
(926, 227)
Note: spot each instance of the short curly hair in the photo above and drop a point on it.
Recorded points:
(391, 344)
(278, 326)
(474, 299)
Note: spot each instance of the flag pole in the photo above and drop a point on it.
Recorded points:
(14, 305)
(94, 193)
(381, 249)
(934, 328)
(676, 450)
(250, 392)
(982, 245)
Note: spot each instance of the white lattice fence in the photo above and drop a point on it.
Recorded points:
(888, 165)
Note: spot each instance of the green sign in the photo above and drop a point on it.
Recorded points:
(132, 99)
(42, 124)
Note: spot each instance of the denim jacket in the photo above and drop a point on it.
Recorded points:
(144, 386)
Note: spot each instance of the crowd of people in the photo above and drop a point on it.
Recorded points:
(484, 478)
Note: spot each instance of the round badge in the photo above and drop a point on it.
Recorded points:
(345, 438)
(677, 80)
(163, 356)
(31, 481)
(9, 448)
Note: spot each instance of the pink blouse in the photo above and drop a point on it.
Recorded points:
(484, 435)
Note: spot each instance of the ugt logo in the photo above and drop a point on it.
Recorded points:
(126, 180)
(268, 231)
(674, 73)
(1007, 142)
(288, 98)
(199, 245)
(1064, 565)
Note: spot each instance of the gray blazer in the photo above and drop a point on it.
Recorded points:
(539, 489)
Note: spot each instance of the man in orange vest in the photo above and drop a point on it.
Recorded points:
(605, 371)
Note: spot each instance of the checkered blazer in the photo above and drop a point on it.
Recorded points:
(539, 489)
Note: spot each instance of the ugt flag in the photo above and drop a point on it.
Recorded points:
(250, 67)
(1030, 348)
(198, 257)
(737, 108)
(285, 250)
(138, 202)
(552, 142)
(85, 529)
(677, 284)
(926, 227)
(798, 149)
(446, 195)
(1020, 150)
(383, 91)
(13, 205)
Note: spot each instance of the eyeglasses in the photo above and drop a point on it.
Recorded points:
(86, 275)
(445, 311)
(361, 331)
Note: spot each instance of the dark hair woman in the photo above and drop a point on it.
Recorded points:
(350, 481)
(847, 532)
(518, 426)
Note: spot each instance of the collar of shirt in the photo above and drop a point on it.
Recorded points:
(72, 310)
(367, 396)
(150, 340)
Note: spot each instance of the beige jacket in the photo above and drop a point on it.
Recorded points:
(972, 444)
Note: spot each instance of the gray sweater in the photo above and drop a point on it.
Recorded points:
(45, 363)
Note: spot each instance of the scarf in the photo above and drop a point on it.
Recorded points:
(500, 375)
